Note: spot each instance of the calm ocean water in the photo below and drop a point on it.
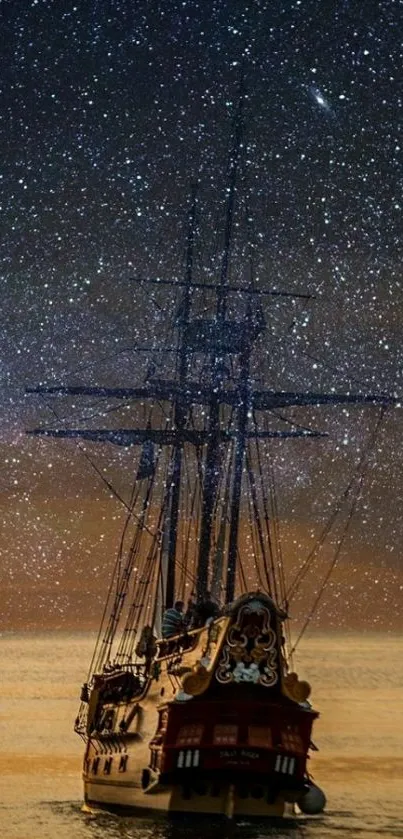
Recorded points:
(357, 686)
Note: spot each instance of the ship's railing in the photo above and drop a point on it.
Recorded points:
(177, 644)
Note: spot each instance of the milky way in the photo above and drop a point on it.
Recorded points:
(109, 110)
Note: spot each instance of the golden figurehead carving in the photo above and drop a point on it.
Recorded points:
(197, 680)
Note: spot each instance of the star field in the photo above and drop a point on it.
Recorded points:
(108, 111)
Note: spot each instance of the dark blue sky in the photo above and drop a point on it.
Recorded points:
(109, 107)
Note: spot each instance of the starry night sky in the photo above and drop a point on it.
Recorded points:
(109, 110)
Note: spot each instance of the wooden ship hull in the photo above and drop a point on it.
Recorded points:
(219, 727)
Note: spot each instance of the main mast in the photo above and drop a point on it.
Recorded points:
(213, 446)
(240, 446)
(180, 411)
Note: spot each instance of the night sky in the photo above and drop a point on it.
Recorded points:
(109, 110)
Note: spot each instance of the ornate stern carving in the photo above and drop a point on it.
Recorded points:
(250, 652)
(294, 689)
(197, 677)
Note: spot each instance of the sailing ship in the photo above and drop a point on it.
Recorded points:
(195, 708)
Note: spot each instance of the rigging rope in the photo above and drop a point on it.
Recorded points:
(254, 503)
(267, 521)
(191, 495)
(276, 526)
(364, 464)
(123, 578)
(256, 542)
(295, 585)
(279, 553)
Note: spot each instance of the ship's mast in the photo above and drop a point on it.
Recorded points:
(240, 446)
(211, 468)
(179, 409)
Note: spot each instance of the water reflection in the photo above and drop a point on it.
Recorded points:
(72, 823)
(106, 826)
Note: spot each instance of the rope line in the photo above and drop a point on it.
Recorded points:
(364, 464)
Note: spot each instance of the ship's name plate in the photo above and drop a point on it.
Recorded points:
(239, 754)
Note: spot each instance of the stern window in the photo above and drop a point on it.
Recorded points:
(190, 735)
(260, 735)
(225, 735)
(292, 740)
